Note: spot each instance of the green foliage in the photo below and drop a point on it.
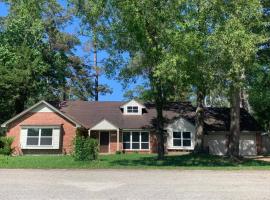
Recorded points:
(82, 132)
(36, 58)
(5, 145)
(118, 152)
(85, 148)
(133, 161)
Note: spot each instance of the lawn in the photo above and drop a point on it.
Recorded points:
(131, 161)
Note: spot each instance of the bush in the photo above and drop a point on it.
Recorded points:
(85, 148)
(5, 145)
(118, 152)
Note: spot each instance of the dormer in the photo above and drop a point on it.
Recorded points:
(132, 107)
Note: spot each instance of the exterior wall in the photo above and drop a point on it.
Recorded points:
(249, 143)
(113, 141)
(43, 118)
(180, 125)
(153, 142)
(265, 144)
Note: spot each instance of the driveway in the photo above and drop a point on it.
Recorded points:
(133, 184)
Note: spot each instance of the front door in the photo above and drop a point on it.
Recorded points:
(104, 142)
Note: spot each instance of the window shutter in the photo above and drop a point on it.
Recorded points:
(56, 138)
(23, 137)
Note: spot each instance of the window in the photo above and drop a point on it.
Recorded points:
(182, 139)
(132, 109)
(39, 137)
(136, 140)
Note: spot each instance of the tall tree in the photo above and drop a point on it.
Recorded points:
(37, 61)
(90, 13)
(234, 46)
(136, 35)
(259, 77)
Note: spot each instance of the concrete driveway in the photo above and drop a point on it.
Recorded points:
(133, 184)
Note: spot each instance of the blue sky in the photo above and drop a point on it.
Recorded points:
(116, 86)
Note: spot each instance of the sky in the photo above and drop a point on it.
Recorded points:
(117, 89)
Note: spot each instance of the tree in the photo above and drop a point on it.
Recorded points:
(90, 12)
(136, 36)
(234, 46)
(259, 77)
(36, 56)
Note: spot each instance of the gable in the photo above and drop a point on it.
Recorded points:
(181, 124)
(104, 125)
(41, 106)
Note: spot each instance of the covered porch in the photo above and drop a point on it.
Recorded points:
(108, 136)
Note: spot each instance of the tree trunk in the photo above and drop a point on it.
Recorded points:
(235, 123)
(199, 123)
(160, 122)
(244, 100)
(96, 72)
(20, 103)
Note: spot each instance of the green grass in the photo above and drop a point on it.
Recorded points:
(132, 161)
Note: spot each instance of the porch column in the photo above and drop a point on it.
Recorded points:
(89, 132)
(117, 135)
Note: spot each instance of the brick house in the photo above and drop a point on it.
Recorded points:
(125, 126)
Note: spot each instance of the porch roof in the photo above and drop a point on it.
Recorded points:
(104, 125)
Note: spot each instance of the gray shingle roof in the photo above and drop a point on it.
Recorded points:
(91, 113)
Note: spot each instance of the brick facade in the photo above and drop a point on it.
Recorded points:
(67, 134)
(43, 118)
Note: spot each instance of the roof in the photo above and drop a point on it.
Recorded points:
(91, 113)
(36, 105)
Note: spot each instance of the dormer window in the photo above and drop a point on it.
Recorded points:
(132, 109)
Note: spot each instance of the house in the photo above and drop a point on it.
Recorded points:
(125, 126)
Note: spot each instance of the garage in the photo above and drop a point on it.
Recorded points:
(247, 145)
(218, 144)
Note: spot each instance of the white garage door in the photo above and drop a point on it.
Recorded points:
(248, 145)
(217, 144)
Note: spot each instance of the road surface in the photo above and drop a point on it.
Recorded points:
(133, 184)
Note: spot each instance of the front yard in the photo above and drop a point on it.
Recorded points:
(131, 161)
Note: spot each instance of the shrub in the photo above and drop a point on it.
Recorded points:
(85, 148)
(118, 152)
(5, 145)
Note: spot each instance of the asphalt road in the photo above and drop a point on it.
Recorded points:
(133, 184)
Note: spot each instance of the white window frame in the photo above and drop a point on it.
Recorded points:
(132, 109)
(182, 139)
(140, 139)
(39, 137)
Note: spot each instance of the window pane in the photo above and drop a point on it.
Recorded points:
(126, 145)
(145, 145)
(176, 134)
(135, 137)
(45, 141)
(135, 146)
(186, 143)
(126, 137)
(129, 109)
(33, 132)
(186, 135)
(145, 137)
(176, 142)
(46, 132)
(135, 109)
(32, 141)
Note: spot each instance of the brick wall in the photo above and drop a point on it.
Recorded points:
(43, 118)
